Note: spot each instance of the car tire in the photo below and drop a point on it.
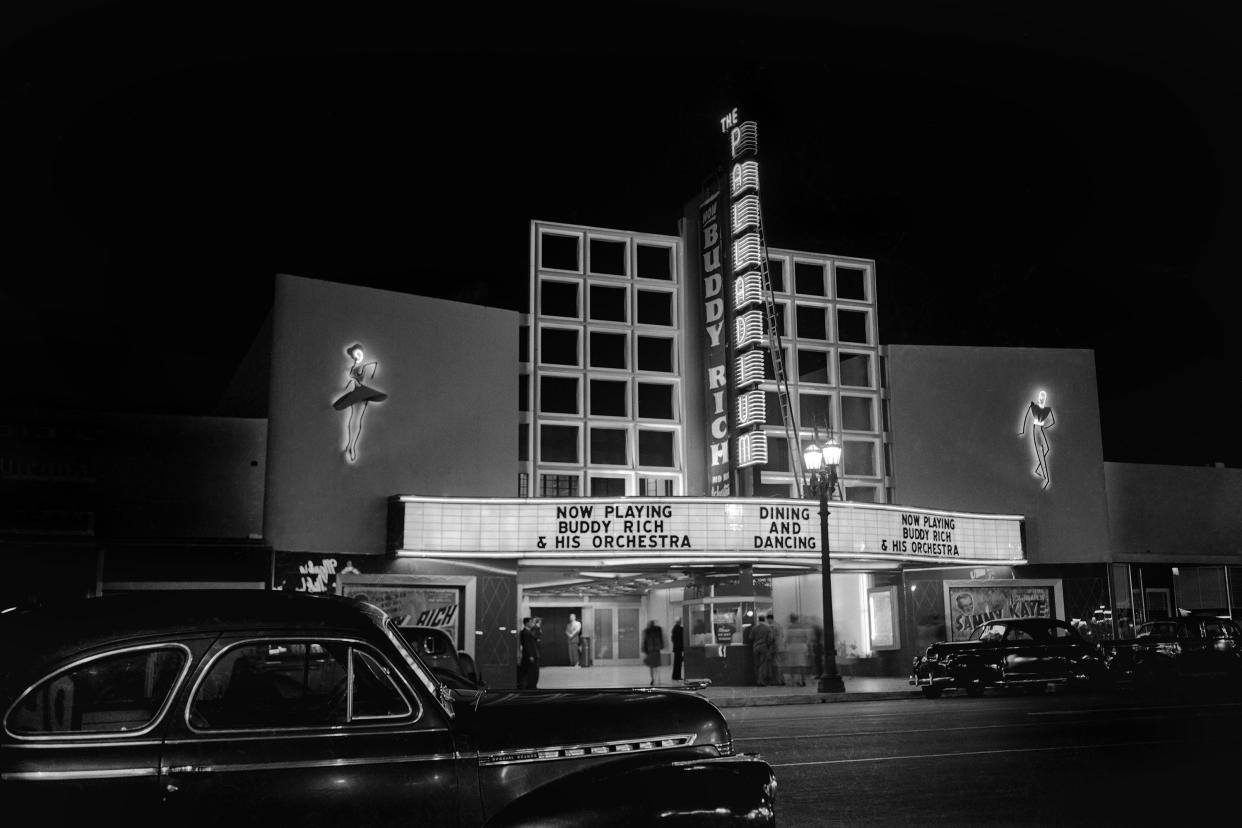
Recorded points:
(932, 692)
(974, 690)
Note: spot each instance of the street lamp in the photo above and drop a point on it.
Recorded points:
(821, 468)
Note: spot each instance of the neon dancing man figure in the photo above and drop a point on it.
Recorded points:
(1040, 417)
(357, 397)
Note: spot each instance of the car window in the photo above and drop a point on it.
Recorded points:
(1059, 633)
(116, 693)
(1214, 629)
(1191, 629)
(987, 632)
(1018, 634)
(1230, 629)
(280, 683)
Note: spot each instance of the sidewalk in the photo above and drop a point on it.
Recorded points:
(857, 688)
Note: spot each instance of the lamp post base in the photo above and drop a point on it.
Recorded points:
(831, 684)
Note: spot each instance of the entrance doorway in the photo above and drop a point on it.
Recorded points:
(554, 648)
(615, 638)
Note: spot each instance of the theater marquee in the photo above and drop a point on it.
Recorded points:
(689, 528)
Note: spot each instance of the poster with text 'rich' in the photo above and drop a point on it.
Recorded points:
(418, 606)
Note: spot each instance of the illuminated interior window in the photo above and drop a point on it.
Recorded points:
(609, 350)
(812, 322)
(655, 307)
(858, 458)
(523, 441)
(856, 413)
(609, 304)
(559, 298)
(609, 398)
(655, 353)
(558, 346)
(608, 447)
(851, 283)
(657, 487)
(558, 485)
(855, 369)
(558, 395)
(862, 494)
(523, 484)
(809, 278)
(776, 273)
(812, 366)
(655, 402)
(852, 326)
(815, 411)
(655, 448)
(654, 262)
(608, 257)
(558, 444)
(558, 252)
(607, 487)
(772, 408)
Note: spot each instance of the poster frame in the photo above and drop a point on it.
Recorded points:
(1052, 584)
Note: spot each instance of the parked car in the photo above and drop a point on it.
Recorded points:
(454, 667)
(1172, 652)
(269, 708)
(1009, 652)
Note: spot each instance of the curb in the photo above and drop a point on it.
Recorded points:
(825, 698)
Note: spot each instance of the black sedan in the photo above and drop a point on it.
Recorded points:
(1178, 653)
(1009, 652)
(261, 708)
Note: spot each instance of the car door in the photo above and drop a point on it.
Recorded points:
(1220, 653)
(308, 731)
(1022, 653)
(85, 738)
(1193, 655)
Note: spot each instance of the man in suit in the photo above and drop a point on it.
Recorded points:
(528, 669)
(679, 646)
(573, 632)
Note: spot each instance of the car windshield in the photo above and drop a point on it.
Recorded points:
(987, 632)
(433, 684)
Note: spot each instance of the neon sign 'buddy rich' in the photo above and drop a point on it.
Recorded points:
(1040, 417)
(357, 397)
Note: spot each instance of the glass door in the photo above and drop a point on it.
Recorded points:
(617, 635)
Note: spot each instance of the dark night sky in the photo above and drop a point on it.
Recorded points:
(1051, 177)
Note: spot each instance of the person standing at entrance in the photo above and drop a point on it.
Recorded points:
(761, 646)
(797, 650)
(573, 638)
(653, 643)
(528, 670)
(679, 646)
(778, 651)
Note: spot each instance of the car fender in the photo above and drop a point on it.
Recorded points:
(740, 789)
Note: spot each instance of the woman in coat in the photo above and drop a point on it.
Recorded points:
(653, 643)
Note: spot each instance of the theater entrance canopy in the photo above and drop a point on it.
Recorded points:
(598, 539)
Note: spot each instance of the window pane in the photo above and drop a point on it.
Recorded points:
(852, 326)
(655, 448)
(607, 487)
(558, 485)
(812, 322)
(778, 454)
(856, 413)
(776, 273)
(655, 308)
(655, 401)
(851, 283)
(655, 262)
(524, 392)
(608, 257)
(608, 350)
(809, 278)
(861, 494)
(608, 447)
(523, 441)
(609, 398)
(858, 458)
(815, 411)
(781, 311)
(374, 693)
(558, 395)
(111, 694)
(558, 444)
(812, 366)
(274, 684)
(608, 303)
(559, 298)
(559, 252)
(855, 370)
(655, 354)
(558, 346)
(524, 343)
(772, 408)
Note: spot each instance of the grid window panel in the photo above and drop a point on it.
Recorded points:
(858, 458)
(558, 395)
(772, 408)
(654, 261)
(778, 454)
(523, 441)
(558, 444)
(607, 487)
(857, 413)
(524, 392)
(655, 449)
(655, 308)
(558, 346)
(812, 322)
(655, 353)
(609, 398)
(609, 303)
(776, 274)
(558, 298)
(852, 326)
(862, 494)
(609, 350)
(558, 485)
(851, 283)
(809, 278)
(812, 366)
(765, 489)
(608, 257)
(610, 447)
(815, 411)
(658, 487)
(855, 369)
(524, 343)
(655, 401)
(560, 252)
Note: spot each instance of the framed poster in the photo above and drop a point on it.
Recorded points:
(423, 601)
(882, 623)
(970, 603)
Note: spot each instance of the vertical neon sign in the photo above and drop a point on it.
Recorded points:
(715, 315)
(749, 341)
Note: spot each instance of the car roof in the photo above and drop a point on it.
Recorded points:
(83, 623)
(1024, 622)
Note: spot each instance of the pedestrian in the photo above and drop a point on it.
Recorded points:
(777, 664)
(653, 643)
(761, 646)
(573, 633)
(528, 670)
(679, 646)
(797, 650)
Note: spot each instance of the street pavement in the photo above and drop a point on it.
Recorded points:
(857, 688)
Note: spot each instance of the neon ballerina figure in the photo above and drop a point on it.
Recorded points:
(1040, 418)
(357, 397)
